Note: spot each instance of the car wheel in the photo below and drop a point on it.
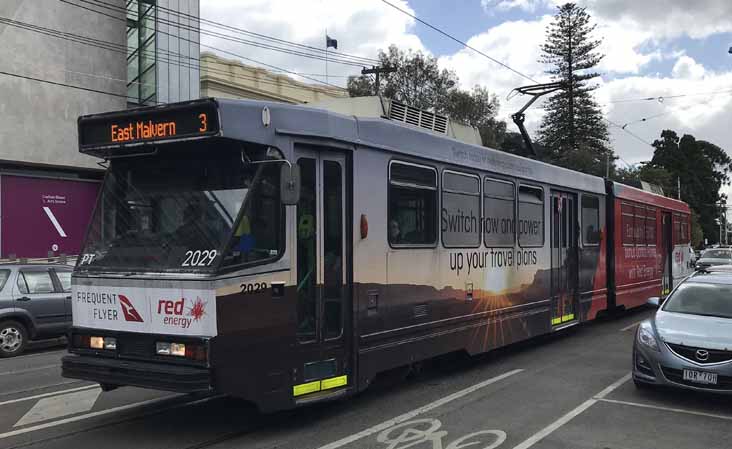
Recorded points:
(13, 338)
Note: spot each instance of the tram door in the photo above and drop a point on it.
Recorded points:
(564, 251)
(322, 303)
(667, 248)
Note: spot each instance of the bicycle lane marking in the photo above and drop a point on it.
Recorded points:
(548, 430)
(418, 411)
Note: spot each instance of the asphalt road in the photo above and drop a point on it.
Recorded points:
(571, 390)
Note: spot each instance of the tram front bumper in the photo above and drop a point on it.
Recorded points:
(158, 376)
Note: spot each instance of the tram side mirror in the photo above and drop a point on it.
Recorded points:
(654, 301)
(290, 184)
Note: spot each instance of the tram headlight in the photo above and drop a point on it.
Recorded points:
(167, 348)
(109, 343)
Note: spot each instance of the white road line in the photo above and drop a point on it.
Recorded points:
(89, 415)
(418, 411)
(543, 433)
(61, 405)
(30, 370)
(668, 409)
(629, 327)
(45, 395)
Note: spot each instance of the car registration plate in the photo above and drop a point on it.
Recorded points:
(700, 377)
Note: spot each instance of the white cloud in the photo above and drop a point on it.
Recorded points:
(703, 112)
(667, 19)
(362, 27)
(505, 5)
(516, 44)
(687, 68)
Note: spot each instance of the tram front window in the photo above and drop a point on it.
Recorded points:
(186, 210)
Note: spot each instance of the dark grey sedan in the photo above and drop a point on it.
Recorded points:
(688, 343)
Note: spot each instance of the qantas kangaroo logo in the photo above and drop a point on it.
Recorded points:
(129, 310)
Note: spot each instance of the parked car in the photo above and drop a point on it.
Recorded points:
(35, 302)
(716, 256)
(688, 342)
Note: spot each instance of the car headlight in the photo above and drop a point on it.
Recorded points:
(646, 337)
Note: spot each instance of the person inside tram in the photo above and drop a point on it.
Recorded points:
(395, 235)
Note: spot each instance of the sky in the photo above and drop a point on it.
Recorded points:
(653, 49)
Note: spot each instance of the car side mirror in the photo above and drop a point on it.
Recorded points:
(290, 184)
(654, 301)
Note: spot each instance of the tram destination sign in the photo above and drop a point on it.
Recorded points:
(187, 120)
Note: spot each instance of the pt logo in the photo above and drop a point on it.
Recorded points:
(128, 310)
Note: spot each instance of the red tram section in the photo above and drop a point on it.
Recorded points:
(648, 247)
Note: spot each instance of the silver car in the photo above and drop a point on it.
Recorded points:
(688, 343)
(713, 257)
(35, 302)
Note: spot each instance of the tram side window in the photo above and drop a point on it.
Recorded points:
(531, 216)
(590, 220)
(677, 229)
(681, 229)
(499, 209)
(412, 204)
(651, 226)
(627, 223)
(640, 225)
(460, 215)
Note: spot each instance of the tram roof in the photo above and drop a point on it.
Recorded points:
(242, 119)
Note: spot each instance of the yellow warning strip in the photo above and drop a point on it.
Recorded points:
(333, 382)
(317, 385)
(562, 319)
(310, 387)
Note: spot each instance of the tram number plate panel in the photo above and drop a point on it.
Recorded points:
(700, 377)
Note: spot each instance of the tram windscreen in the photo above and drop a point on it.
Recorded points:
(182, 210)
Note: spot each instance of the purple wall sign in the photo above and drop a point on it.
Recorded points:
(42, 215)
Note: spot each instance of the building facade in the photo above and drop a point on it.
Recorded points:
(60, 60)
(227, 78)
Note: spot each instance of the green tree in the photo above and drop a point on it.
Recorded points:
(573, 132)
(702, 169)
(419, 82)
(477, 108)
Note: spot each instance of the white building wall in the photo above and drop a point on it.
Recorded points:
(38, 120)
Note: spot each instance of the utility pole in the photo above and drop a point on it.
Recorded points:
(377, 70)
(678, 187)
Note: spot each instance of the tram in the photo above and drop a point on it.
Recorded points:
(287, 255)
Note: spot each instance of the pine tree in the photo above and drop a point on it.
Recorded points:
(573, 132)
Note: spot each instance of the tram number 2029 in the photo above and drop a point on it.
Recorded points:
(253, 287)
(199, 258)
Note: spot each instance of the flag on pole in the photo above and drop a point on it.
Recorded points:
(330, 42)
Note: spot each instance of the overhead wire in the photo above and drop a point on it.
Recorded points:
(662, 98)
(122, 49)
(203, 45)
(499, 62)
(56, 83)
(337, 59)
(464, 44)
(333, 53)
